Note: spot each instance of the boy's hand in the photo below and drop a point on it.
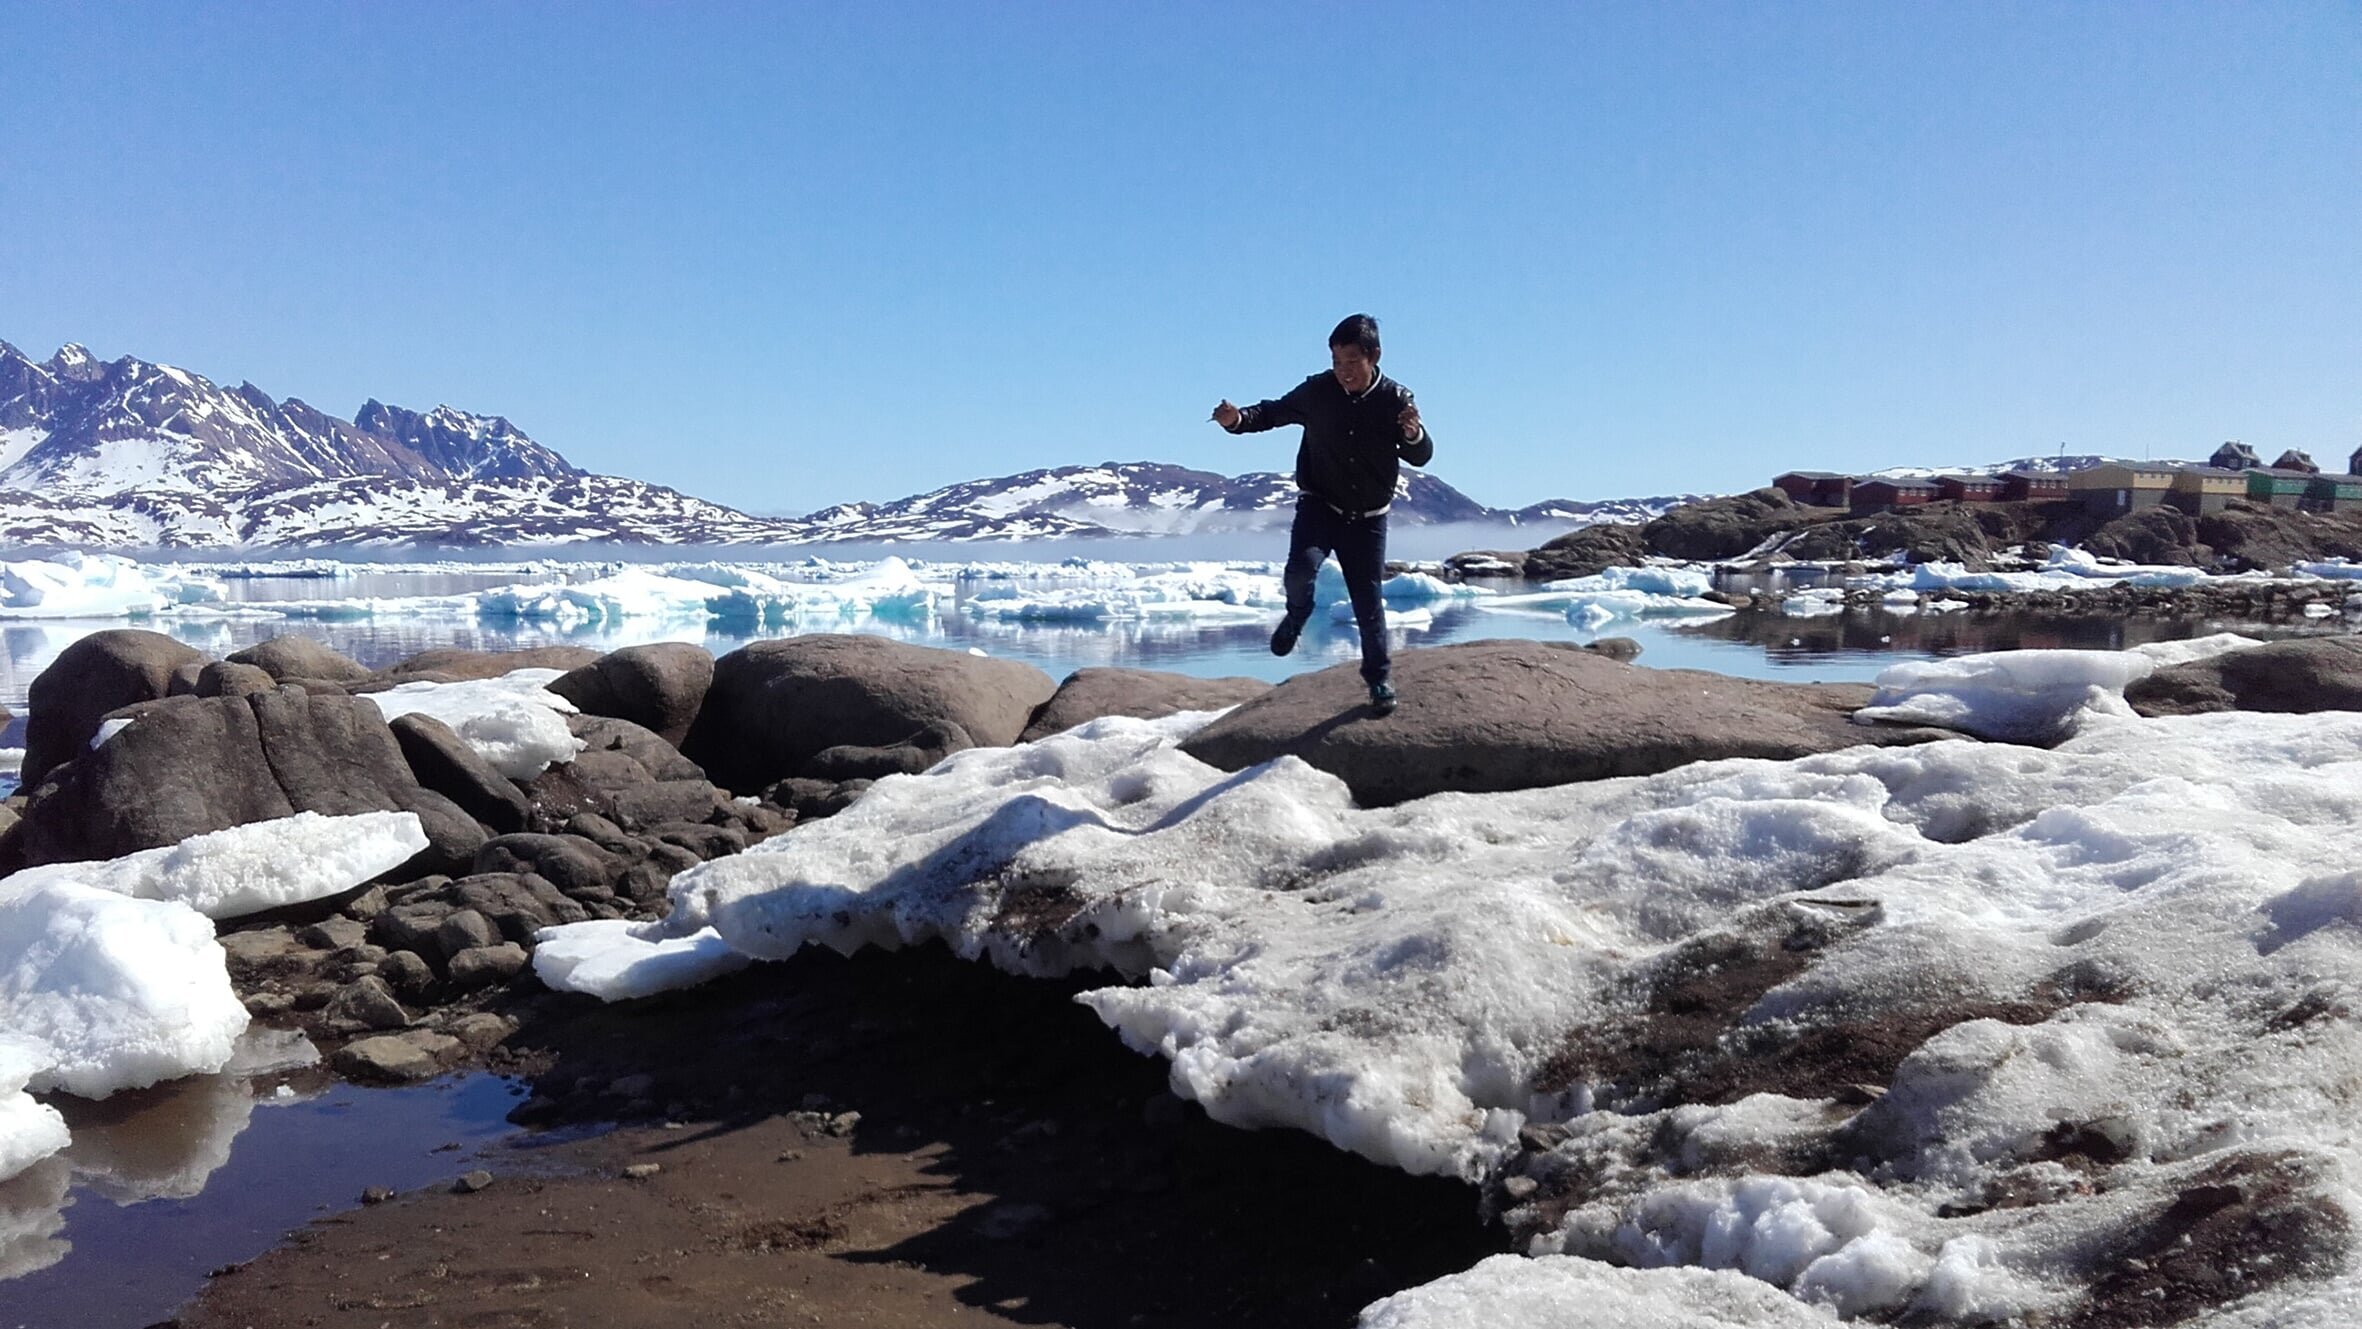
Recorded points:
(1226, 415)
(1409, 419)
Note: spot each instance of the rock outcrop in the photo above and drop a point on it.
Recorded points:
(1497, 715)
(774, 706)
(657, 687)
(2312, 674)
(1143, 694)
(184, 766)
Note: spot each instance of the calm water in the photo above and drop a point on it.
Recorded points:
(163, 1186)
(1848, 647)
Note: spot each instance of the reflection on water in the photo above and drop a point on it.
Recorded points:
(163, 1185)
(1852, 645)
(1879, 637)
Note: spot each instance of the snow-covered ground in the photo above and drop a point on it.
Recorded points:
(2125, 961)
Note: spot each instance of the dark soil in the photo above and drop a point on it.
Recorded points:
(897, 1139)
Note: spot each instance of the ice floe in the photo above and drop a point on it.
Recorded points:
(29, 1131)
(250, 868)
(2108, 974)
(2029, 696)
(112, 976)
(514, 721)
(79, 585)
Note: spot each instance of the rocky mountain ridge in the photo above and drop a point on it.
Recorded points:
(127, 454)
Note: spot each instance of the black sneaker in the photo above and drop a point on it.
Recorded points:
(1382, 698)
(1283, 637)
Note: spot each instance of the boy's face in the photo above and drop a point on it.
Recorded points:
(1355, 370)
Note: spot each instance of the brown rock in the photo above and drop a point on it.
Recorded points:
(444, 763)
(102, 672)
(774, 705)
(289, 657)
(224, 678)
(2301, 676)
(658, 687)
(1143, 694)
(1495, 715)
(452, 664)
(188, 765)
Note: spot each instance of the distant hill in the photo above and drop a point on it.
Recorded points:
(130, 454)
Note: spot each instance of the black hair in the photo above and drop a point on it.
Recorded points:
(1358, 330)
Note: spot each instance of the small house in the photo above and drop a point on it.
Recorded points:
(2278, 487)
(2199, 490)
(2115, 488)
(2032, 486)
(2333, 493)
(1819, 489)
(1969, 488)
(1886, 495)
(2354, 463)
(2293, 460)
(2234, 456)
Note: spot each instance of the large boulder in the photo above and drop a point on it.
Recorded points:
(2308, 674)
(286, 657)
(658, 687)
(443, 762)
(188, 765)
(104, 671)
(1487, 716)
(455, 664)
(775, 705)
(1143, 694)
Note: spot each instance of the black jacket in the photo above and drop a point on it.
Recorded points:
(1352, 445)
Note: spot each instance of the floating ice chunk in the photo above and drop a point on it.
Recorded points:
(614, 959)
(2336, 569)
(247, 869)
(1564, 1292)
(120, 992)
(79, 585)
(514, 721)
(1686, 583)
(108, 729)
(29, 1131)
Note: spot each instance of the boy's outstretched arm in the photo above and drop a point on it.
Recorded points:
(1262, 415)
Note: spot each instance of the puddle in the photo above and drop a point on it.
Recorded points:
(163, 1186)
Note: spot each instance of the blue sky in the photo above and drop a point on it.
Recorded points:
(787, 255)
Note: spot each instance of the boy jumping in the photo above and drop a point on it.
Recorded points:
(1358, 425)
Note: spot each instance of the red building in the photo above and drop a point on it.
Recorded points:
(1880, 495)
(1819, 489)
(1969, 488)
(2032, 486)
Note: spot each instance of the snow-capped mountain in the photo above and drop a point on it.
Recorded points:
(129, 454)
(1151, 498)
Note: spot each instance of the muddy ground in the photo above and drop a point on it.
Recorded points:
(1010, 1162)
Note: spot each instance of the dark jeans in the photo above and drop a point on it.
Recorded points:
(1360, 546)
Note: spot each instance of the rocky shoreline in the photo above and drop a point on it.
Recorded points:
(1753, 536)
(678, 759)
